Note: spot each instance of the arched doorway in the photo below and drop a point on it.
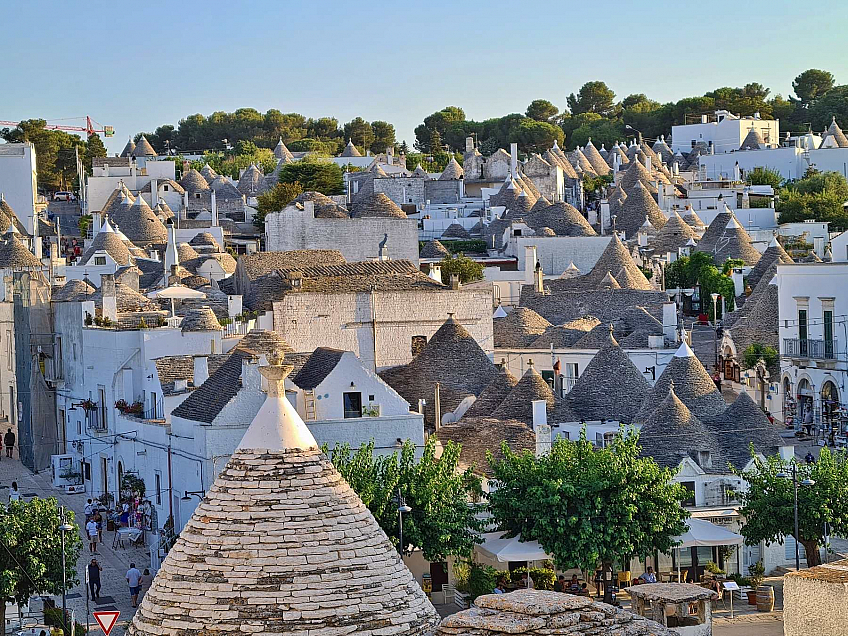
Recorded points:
(120, 481)
(790, 416)
(830, 410)
(805, 405)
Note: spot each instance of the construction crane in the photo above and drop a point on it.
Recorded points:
(89, 129)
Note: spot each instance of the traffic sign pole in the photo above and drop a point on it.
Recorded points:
(106, 620)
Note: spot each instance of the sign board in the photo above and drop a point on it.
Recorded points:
(730, 585)
(106, 620)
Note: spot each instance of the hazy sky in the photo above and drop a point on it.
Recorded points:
(141, 64)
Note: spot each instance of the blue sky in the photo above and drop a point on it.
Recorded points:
(139, 65)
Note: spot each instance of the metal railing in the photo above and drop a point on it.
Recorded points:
(809, 348)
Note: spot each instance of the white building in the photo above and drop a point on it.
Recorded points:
(790, 161)
(813, 362)
(109, 172)
(723, 131)
(18, 184)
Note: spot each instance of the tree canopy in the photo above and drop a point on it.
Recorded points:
(585, 505)
(314, 174)
(819, 196)
(593, 97)
(768, 502)
(811, 84)
(275, 200)
(699, 269)
(463, 266)
(31, 552)
(542, 110)
(442, 521)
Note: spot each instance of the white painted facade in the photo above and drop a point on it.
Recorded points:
(18, 180)
(725, 132)
(791, 162)
(104, 180)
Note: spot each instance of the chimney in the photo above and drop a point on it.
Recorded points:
(36, 238)
(309, 209)
(110, 300)
(185, 205)
(660, 193)
(647, 163)
(529, 263)
(454, 282)
(54, 252)
(670, 321)
(171, 257)
(96, 223)
(250, 376)
(543, 437)
(154, 193)
(201, 369)
(513, 159)
(469, 144)
(540, 413)
(738, 281)
(642, 238)
(605, 214)
(390, 155)
(539, 279)
(421, 405)
(214, 210)
(703, 119)
(436, 272)
(675, 169)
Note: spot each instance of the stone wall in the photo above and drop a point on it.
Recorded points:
(357, 239)
(442, 191)
(344, 321)
(543, 613)
(814, 600)
(402, 189)
(497, 167)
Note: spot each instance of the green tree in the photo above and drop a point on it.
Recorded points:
(756, 352)
(440, 122)
(360, 133)
(812, 84)
(765, 176)
(314, 175)
(542, 110)
(441, 523)
(699, 269)
(593, 97)
(384, 136)
(819, 196)
(31, 551)
(94, 148)
(275, 200)
(767, 503)
(467, 270)
(834, 103)
(588, 506)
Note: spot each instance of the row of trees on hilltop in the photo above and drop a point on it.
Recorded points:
(593, 112)
(323, 135)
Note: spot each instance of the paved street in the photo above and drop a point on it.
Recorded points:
(114, 593)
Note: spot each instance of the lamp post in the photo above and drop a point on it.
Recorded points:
(806, 482)
(63, 528)
(714, 296)
(402, 508)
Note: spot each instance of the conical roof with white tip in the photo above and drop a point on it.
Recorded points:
(281, 544)
(350, 150)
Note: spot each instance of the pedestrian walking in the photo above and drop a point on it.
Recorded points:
(89, 510)
(14, 493)
(9, 441)
(134, 580)
(94, 570)
(93, 531)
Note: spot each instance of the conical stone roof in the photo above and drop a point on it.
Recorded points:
(200, 319)
(376, 205)
(638, 206)
(753, 140)
(434, 249)
(193, 181)
(613, 259)
(282, 545)
(128, 149)
(579, 161)
(773, 254)
(673, 235)
(735, 243)
(555, 160)
(541, 204)
(598, 163)
(143, 148)
(518, 405)
(518, 329)
(140, 224)
(693, 220)
(108, 241)
(208, 173)
(836, 132)
(636, 172)
(562, 218)
(224, 189)
(693, 385)
(493, 395)
(73, 291)
(252, 182)
(420, 172)
(452, 171)
(281, 152)
(610, 386)
(15, 255)
(324, 207)
(456, 231)
(609, 282)
(350, 150)
(714, 231)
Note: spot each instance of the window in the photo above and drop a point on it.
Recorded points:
(196, 195)
(86, 471)
(370, 398)
(690, 486)
(352, 404)
(418, 343)
(548, 376)
(828, 333)
(165, 188)
(79, 427)
(99, 260)
(157, 479)
(9, 348)
(516, 232)
(802, 330)
(101, 407)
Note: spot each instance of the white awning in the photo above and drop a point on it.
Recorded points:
(704, 533)
(504, 550)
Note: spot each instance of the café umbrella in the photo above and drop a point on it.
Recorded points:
(176, 291)
(703, 533)
(501, 549)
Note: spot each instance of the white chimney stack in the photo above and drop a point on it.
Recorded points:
(670, 321)
(540, 413)
(647, 163)
(201, 370)
(529, 263)
(513, 159)
(543, 439)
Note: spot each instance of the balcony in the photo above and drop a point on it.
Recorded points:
(809, 349)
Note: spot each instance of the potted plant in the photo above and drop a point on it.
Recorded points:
(89, 405)
(756, 574)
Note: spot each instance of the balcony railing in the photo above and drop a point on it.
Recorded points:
(808, 348)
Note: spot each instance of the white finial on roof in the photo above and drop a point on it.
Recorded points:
(732, 224)
(691, 242)
(499, 313)
(684, 351)
(12, 229)
(106, 228)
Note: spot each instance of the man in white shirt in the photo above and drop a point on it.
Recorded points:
(134, 580)
(89, 510)
(91, 529)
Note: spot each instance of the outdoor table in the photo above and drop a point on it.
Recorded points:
(123, 534)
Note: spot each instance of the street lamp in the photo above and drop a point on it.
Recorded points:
(806, 482)
(714, 296)
(192, 493)
(402, 508)
(63, 528)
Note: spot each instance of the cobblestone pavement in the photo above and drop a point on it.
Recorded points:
(114, 594)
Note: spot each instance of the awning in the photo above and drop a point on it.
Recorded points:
(703, 533)
(723, 512)
(504, 550)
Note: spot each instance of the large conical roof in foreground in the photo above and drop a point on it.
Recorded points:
(282, 545)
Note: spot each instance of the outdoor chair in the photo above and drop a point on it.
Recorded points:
(624, 578)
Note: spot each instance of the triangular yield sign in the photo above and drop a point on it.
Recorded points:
(107, 620)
